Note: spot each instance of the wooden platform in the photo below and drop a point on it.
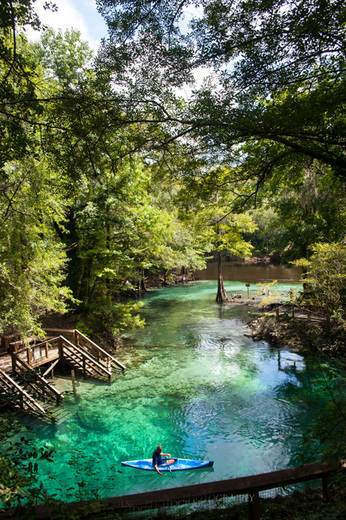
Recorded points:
(23, 386)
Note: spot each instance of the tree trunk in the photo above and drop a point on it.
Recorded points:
(141, 284)
(221, 293)
(165, 277)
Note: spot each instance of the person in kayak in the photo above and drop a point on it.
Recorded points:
(159, 461)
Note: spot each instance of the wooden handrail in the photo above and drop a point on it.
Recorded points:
(86, 355)
(37, 345)
(38, 376)
(12, 384)
(83, 362)
(189, 494)
(291, 306)
(99, 349)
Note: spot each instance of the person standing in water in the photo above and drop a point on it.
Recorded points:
(159, 461)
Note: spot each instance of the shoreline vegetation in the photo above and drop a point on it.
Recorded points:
(305, 336)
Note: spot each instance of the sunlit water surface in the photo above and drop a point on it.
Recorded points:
(195, 384)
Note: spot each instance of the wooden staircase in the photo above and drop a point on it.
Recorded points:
(26, 389)
(79, 352)
(13, 394)
(88, 358)
(36, 384)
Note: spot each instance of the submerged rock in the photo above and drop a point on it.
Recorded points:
(88, 420)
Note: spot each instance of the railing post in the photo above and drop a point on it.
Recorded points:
(73, 377)
(84, 367)
(61, 354)
(14, 363)
(46, 348)
(253, 499)
(325, 487)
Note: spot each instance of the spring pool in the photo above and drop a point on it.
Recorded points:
(194, 384)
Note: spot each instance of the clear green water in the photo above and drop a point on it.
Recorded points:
(194, 384)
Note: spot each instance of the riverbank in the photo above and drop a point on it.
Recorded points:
(300, 335)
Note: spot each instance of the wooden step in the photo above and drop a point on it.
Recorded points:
(28, 390)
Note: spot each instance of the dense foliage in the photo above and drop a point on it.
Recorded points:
(83, 217)
(111, 172)
(19, 460)
(325, 280)
(129, 165)
(276, 72)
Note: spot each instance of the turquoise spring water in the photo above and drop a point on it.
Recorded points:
(194, 384)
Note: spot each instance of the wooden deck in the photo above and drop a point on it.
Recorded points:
(66, 345)
(23, 386)
(6, 363)
(37, 359)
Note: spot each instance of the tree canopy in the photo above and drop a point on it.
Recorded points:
(276, 71)
(111, 168)
(84, 219)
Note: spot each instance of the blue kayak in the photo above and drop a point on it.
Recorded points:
(177, 465)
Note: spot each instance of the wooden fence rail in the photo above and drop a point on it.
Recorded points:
(81, 340)
(38, 353)
(210, 491)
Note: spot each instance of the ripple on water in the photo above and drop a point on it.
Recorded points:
(195, 385)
